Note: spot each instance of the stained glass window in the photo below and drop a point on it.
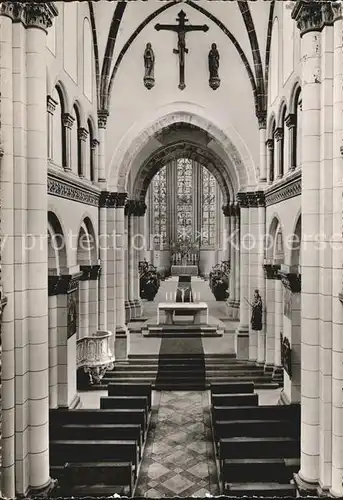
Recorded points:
(159, 193)
(184, 196)
(208, 201)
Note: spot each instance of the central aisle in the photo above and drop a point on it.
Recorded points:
(179, 455)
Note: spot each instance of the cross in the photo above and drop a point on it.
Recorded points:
(181, 29)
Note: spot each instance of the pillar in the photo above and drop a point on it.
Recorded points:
(263, 157)
(237, 240)
(290, 122)
(94, 170)
(102, 122)
(82, 135)
(127, 271)
(337, 252)
(309, 21)
(122, 342)
(93, 283)
(53, 359)
(278, 321)
(270, 160)
(109, 200)
(244, 319)
(138, 249)
(270, 275)
(278, 136)
(38, 19)
(67, 121)
(291, 282)
(83, 314)
(7, 264)
(51, 106)
(104, 242)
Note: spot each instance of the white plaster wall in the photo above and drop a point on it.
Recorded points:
(287, 212)
(208, 259)
(71, 360)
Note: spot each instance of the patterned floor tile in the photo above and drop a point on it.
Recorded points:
(156, 470)
(177, 484)
(200, 470)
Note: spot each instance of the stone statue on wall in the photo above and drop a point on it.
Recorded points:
(213, 66)
(149, 66)
(256, 315)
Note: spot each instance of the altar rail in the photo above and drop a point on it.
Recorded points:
(95, 355)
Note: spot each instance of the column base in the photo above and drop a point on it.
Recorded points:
(138, 307)
(283, 399)
(242, 342)
(122, 344)
(41, 492)
(127, 306)
(305, 488)
(268, 368)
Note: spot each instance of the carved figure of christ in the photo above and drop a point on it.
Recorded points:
(181, 29)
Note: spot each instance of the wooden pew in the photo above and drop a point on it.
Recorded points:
(128, 389)
(254, 428)
(125, 402)
(98, 432)
(257, 470)
(272, 412)
(232, 388)
(63, 416)
(77, 451)
(97, 479)
(235, 399)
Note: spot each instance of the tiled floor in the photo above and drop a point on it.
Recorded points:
(178, 458)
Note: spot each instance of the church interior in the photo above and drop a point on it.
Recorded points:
(171, 248)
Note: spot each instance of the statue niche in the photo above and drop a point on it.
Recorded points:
(213, 66)
(149, 66)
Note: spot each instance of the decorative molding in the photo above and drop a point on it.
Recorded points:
(262, 119)
(51, 104)
(90, 273)
(135, 207)
(63, 284)
(270, 144)
(252, 199)
(286, 355)
(291, 281)
(271, 271)
(73, 192)
(278, 134)
(284, 190)
(121, 199)
(94, 143)
(102, 118)
(313, 15)
(31, 14)
(231, 210)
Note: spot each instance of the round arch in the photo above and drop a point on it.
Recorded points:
(86, 243)
(165, 154)
(57, 255)
(275, 229)
(239, 160)
(296, 244)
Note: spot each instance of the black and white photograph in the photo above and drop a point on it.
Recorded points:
(171, 249)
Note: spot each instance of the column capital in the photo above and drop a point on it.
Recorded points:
(82, 134)
(278, 134)
(271, 271)
(313, 15)
(270, 144)
(90, 273)
(94, 143)
(102, 118)
(68, 120)
(51, 104)
(121, 199)
(135, 207)
(262, 119)
(291, 281)
(231, 210)
(107, 199)
(63, 284)
(39, 15)
(14, 10)
(256, 199)
(242, 200)
(290, 120)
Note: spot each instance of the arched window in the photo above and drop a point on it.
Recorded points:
(298, 127)
(184, 195)
(283, 143)
(159, 193)
(76, 166)
(208, 222)
(57, 130)
(87, 60)
(271, 152)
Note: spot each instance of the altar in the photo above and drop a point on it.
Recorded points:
(184, 270)
(194, 309)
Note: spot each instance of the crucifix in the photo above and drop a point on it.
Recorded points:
(181, 29)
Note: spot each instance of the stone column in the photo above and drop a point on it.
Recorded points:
(104, 242)
(127, 271)
(270, 160)
(83, 328)
(278, 321)
(53, 342)
(138, 248)
(227, 245)
(270, 274)
(261, 231)
(278, 137)
(291, 282)
(38, 18)
(263, 157)
(94, 166)
(82, 135)
(243, 329)
(94, 276)
(102, 122)
(7, 254)
(109, 200)
(290, 122)
(233, 261)
(309, 21)
(237, 259)
(122, 343)
(51, 106)
(67, 121)
(337, 252)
